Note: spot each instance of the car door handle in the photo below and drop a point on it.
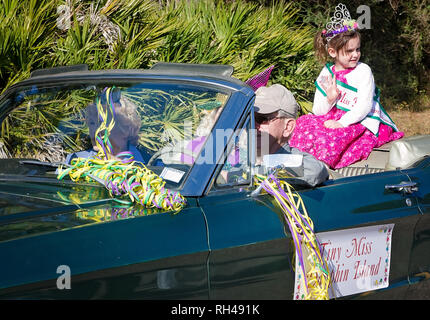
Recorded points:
(405, 187)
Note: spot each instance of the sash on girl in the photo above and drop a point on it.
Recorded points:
(348, 100)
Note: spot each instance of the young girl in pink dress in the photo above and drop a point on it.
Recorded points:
(348, 120)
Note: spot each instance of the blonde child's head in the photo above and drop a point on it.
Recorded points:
(127, 121)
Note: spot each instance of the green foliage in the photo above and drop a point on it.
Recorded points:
(26, 35)
(249, 35)
(246, 35)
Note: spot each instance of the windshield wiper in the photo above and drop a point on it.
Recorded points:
(44, 163)
(56, 165)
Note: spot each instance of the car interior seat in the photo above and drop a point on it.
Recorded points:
(399, 154)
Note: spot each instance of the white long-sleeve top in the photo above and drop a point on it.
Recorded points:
(362, 79)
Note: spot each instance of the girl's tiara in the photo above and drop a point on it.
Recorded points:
(340, 22)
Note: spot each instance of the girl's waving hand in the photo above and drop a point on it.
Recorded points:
(331, 89)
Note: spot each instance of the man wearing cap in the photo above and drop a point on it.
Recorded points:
(275, 119)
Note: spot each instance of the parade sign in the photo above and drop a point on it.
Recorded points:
(358, 260)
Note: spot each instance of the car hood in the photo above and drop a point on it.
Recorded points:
(31, 205)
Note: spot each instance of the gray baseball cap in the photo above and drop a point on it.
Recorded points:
(275, 98)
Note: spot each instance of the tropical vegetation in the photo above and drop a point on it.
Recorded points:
(249, 35)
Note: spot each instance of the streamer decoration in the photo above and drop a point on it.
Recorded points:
(120, 174)
(312, 264)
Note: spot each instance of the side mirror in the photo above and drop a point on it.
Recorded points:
(283, 165)
(273, 161)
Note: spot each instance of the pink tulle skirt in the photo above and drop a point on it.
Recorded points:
(340, 147)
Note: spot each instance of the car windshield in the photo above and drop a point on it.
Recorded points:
(162, 125)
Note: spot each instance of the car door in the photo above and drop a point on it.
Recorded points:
(368, 200)
(252, 254)
(419, 270)
(253, 257)
(246, 238)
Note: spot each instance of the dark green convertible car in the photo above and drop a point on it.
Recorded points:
(192, 125)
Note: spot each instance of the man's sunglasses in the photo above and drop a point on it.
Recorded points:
(264, 118)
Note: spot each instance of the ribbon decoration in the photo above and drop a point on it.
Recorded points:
(120, 174)
(313, 266)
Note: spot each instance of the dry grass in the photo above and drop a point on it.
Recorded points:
(412, 123)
